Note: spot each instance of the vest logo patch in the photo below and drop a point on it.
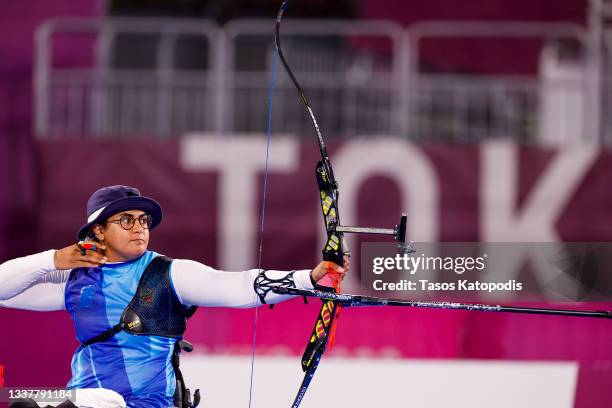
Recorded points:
(87, 296)
(133, 324)
(147, 295)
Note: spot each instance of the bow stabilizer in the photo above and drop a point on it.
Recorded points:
(348, 300)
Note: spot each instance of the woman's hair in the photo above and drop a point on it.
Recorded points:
(91, 236)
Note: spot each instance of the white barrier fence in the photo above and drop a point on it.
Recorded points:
(166, 77)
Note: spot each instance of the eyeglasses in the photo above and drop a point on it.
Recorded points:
(127, 221)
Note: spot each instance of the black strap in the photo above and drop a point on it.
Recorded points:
(104, 336)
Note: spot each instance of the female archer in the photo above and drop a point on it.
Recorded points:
(129, 304)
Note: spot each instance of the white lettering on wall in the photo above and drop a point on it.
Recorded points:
(535, 221)
(239, 161)
(502, 221)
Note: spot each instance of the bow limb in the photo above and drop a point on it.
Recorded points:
(334, 249)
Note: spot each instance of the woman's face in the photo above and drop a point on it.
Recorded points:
(123, 244)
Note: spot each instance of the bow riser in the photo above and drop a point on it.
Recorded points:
(320, 333)
(334, 249)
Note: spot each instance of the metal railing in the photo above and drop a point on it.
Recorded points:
(353, 90)
(167, 77)
(476, 107)
(110, 98)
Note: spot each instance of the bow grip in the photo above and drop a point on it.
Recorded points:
(336, 257)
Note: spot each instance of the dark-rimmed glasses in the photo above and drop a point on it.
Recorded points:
(127, 221)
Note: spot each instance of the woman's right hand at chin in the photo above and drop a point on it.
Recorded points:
(72, 257)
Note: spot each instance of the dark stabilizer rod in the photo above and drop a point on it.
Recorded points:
(347, 300)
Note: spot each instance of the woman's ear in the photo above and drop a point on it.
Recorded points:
(98, 232)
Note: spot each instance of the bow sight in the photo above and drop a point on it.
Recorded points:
(398, 232)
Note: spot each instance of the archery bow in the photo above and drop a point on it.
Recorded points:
(335, 247)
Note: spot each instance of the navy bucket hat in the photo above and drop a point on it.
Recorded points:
(113, 199)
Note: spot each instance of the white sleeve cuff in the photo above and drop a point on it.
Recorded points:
(302, 279)
(47, 259)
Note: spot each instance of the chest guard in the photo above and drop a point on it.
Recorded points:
(154, 309)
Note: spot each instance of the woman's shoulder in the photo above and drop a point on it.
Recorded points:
(149, 255)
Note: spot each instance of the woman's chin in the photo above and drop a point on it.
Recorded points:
(136, 250)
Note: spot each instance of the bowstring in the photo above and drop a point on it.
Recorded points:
(263, 215)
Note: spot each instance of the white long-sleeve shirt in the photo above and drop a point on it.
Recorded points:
(33, 283)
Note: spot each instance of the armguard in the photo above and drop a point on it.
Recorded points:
(263, 283)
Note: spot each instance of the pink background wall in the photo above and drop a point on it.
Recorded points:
(68, 172)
